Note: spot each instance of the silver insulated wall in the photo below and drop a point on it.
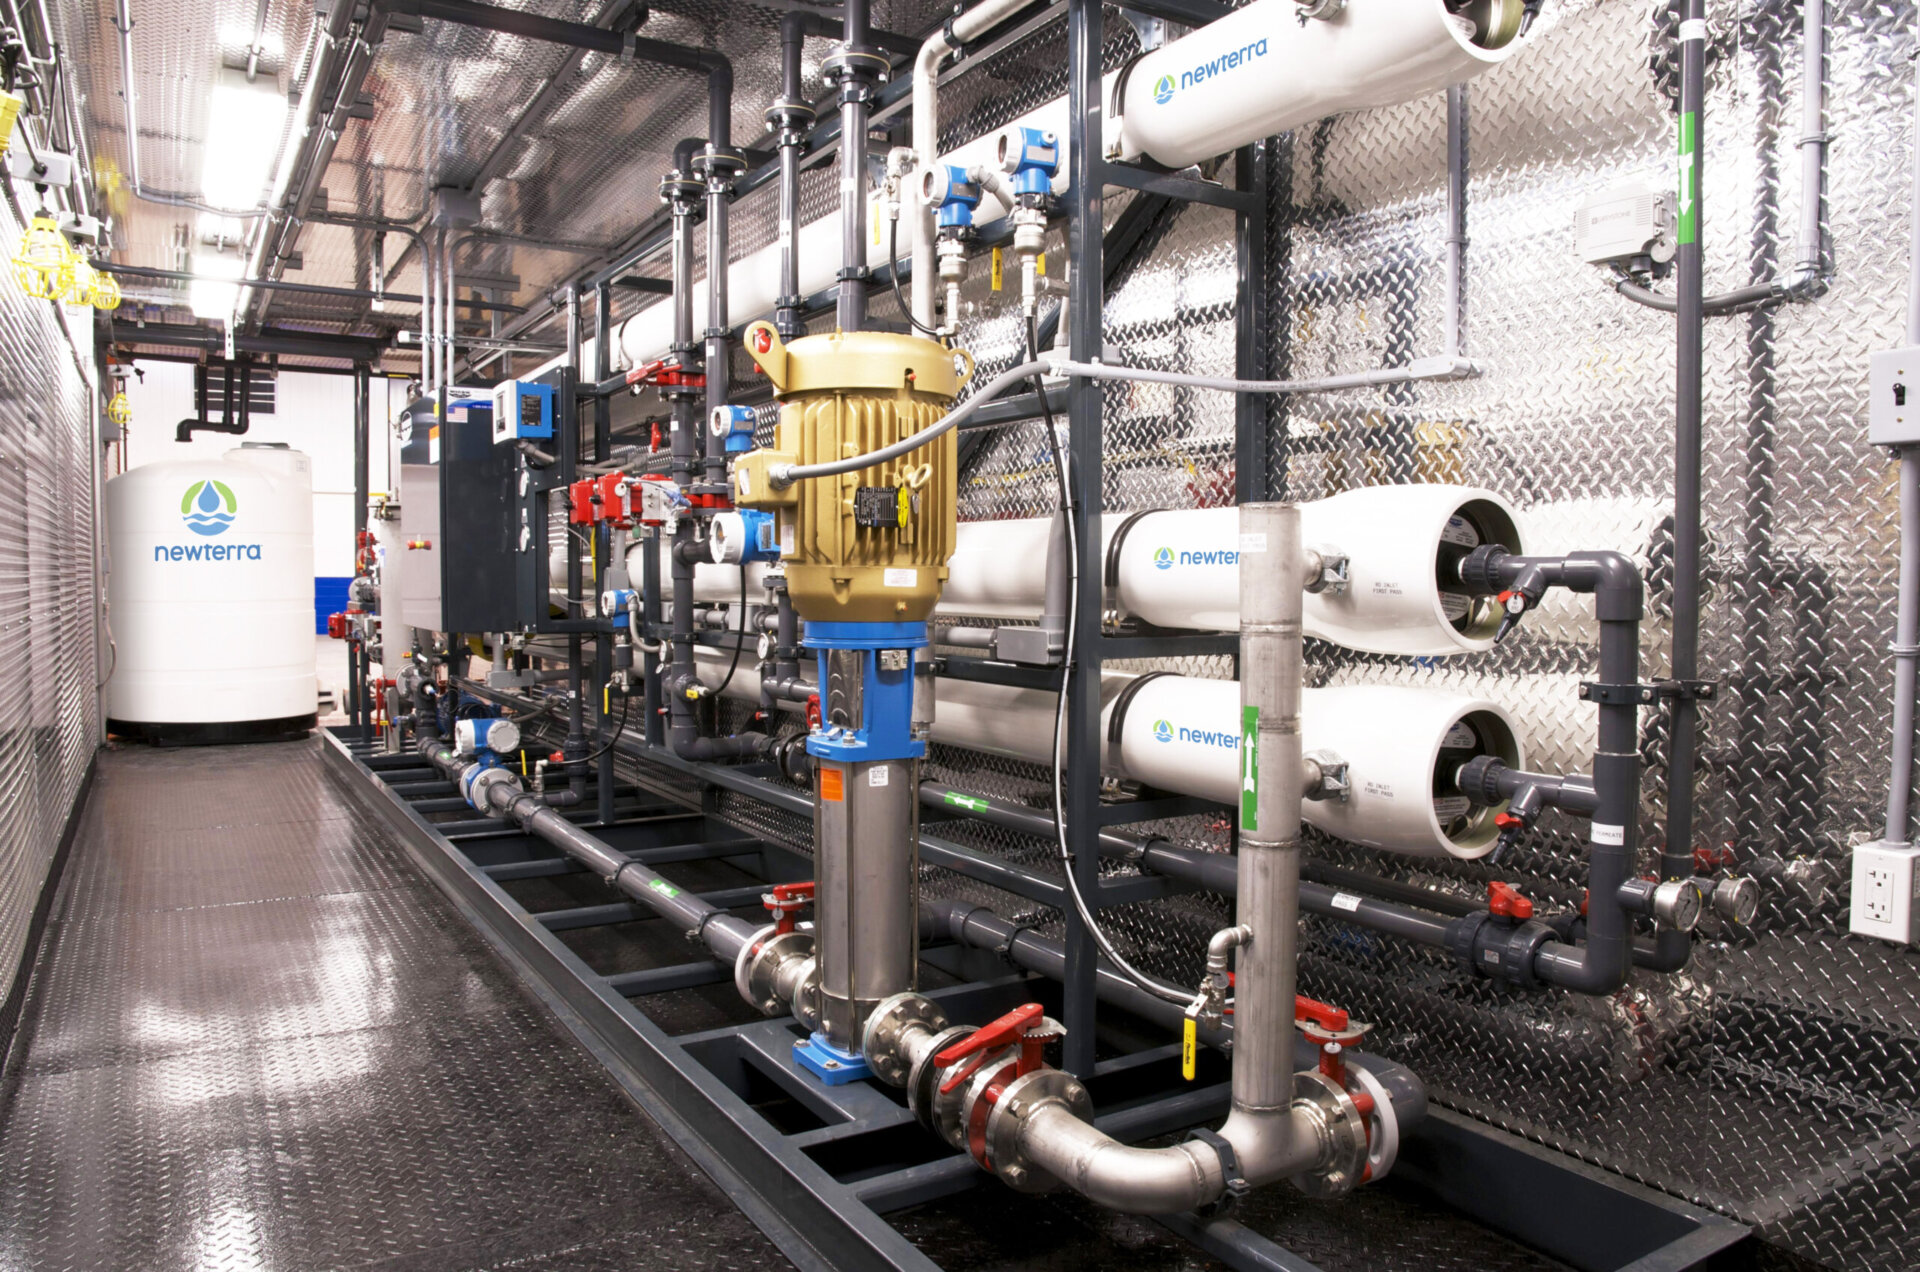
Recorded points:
(49, 697)
(1778, 1080)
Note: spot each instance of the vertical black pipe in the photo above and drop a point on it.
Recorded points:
(1677, 853)
(1253, 462)
(790, 116)
(575, 747)
(856, 65)
(603, 531)
(1085, 308)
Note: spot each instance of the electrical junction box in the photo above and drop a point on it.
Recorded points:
(522, 409)
(1884, 880)
(1626, 222)
(1893, 397)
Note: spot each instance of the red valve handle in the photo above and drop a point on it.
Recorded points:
(785, 901)
(1509, 821)
(982, 1042)
(558, 757)
(813, 711)
(1504, 900)
(1326, 1015)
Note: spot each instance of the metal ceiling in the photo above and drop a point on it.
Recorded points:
(566, 148)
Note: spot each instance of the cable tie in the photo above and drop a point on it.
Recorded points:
(1903, 651)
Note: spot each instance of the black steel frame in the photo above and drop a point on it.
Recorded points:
(822, 1183)
(822, 1193)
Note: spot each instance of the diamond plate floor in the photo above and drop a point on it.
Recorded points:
(257, 1038)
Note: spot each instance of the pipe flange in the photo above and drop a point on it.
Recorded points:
(1383, 1138)
(881, 1041)
(963, 1114)
(809, 1006)
(681, 186)
(743, 960)
(787, 112)
(923, 1082)
(756, 971)
(719, 164)
(1017, 1103)
(480, 790)
(1342, 1133)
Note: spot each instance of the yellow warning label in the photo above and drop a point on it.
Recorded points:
(996, 269)
(1040, 264)
(1189, 1046)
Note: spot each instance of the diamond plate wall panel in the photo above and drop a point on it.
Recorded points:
(49, 701)
(1778, 1079)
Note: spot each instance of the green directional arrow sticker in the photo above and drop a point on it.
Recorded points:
(967, 802)
(664, 888)
(1249, 767)
(1689, 197)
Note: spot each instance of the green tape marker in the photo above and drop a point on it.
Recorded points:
(664, 888)
(1689, 196)
(967, 802)
(1249, 768)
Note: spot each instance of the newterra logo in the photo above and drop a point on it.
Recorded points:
(1163, 91)
(1165, 731)
(1230, 60)
(1166, 558)
(208, 507)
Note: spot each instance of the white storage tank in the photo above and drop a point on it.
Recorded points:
(210, 585)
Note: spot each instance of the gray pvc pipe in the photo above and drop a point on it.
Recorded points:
(1906, 634)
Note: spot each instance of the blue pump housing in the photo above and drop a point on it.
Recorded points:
(885, 728)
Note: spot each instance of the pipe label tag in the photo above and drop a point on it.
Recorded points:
(664, 888)
(1189, 1046)
(1346, 901)
(1250, 543)
(1249, 767)
(967, 802)
(1689, 202)
(1612, 836)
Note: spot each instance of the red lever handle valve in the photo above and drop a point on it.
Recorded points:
(785, 901)
(1505, 900)
(989, 1038)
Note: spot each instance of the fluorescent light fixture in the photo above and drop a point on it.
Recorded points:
(210, 299)
(245, 126)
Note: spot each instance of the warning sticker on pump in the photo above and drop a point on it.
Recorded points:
(833, 784)
(1448, 807)
(901, 578)
(1459, 736)
(877, 775)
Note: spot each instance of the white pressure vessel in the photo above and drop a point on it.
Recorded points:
(1181, 568)
(1401, 746)
(1268, 68)
(210, 588)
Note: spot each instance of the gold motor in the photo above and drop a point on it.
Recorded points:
(869, 546)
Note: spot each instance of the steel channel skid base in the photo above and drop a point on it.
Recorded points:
(821, 1193)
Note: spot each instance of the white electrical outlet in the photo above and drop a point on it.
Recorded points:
(1884, 880)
